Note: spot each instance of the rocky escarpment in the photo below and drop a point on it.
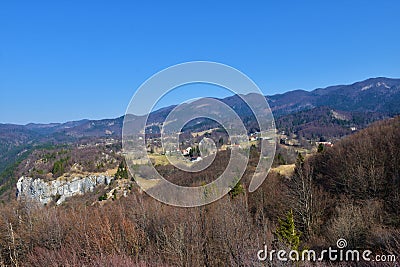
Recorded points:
(58, 190)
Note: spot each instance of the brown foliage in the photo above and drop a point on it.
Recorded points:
(349, 191)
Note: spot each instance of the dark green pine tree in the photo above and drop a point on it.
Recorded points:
(58, 168)
(236, 190)
(320, 148)
(122, 172)
(287, 232)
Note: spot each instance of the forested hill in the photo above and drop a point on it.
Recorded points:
(331, 112)
(352, 190)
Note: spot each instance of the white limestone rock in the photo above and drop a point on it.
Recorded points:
(45, 192)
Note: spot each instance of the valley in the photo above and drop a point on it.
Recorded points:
(66, 189)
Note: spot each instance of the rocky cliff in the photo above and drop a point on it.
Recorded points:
(58, 190)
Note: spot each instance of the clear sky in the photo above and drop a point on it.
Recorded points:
(69, 60)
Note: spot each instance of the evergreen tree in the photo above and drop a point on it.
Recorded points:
(122, 172)
(236, 190)
(58, 168)
(287, 232)
(320, 148)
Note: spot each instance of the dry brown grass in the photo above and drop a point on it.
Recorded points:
(284, 170)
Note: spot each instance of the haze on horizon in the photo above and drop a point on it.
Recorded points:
(79, 60)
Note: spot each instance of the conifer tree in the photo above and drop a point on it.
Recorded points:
(320, 148)
(287, 232)
(122, 172)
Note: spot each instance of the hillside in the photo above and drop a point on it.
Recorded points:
(325, 113)
(325, 122)
(379, 95)
(348, 191)
(353, 189)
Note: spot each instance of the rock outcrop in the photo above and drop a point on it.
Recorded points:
(58, 190)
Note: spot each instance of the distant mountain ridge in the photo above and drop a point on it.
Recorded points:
(375, 95)
(380, 95)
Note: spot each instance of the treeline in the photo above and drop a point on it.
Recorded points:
(353, 189)
(12, 163)
(348, 191)
(324, 122)
(69, 159)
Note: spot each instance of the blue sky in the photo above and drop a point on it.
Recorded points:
(69, 60)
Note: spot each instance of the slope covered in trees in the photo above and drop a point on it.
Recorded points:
(348, 191)
(352, 190)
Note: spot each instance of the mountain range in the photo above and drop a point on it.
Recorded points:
(378, 96)
(326, 111)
